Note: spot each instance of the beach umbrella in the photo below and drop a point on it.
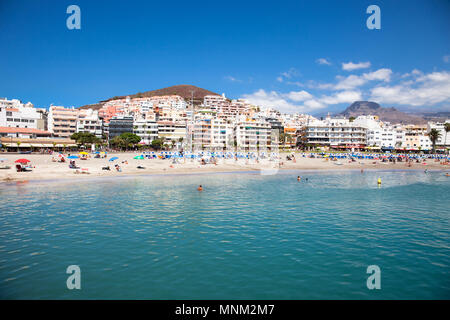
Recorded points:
(83, 152)
(22, 161)
(72, 157)
(113, 158)
(139, 158)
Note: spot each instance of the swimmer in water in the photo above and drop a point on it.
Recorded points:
(298, 178)
(448, 175)
(200, 188)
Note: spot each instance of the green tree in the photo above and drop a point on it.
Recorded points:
(130, 139)
(117, 142)
(84, 138)
(447, 129)
(18, 145)
(157, 144)
(434, 136)
(282, 139)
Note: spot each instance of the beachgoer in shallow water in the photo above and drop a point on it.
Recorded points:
(298, 178)
(200, 188)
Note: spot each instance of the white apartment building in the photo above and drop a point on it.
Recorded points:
(214, 101)
(253, 135)
(444, 140)
(147, 130)
(336, 133)
(14, 113)
(62, 121)
(171, 131)
(89, 121)
(212, 134)
(379, 134)
(416, 138)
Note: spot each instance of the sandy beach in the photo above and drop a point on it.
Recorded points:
(44, 169)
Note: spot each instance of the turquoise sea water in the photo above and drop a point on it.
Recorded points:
(246, 236)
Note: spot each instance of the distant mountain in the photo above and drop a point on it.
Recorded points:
(392, 115)
(435, 116)
(184, 90)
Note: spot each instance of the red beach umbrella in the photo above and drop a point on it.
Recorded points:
(22, 161)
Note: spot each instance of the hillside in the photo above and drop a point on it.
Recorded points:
(184, 90)
(392, 115)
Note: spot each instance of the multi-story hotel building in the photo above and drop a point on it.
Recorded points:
(171, 131)
(62, 122)
(212, 134)
(147, 130)
(253, 135)
(15, 114)
(336, 133)
(443, 142)
(89, 121)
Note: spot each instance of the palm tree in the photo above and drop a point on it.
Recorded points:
(447, 129)
(434, 136)
(18, 145)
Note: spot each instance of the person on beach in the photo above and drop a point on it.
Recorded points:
(298, 178)
(200, 188)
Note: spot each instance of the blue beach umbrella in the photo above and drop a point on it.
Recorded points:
(72, 157)
(113, 158)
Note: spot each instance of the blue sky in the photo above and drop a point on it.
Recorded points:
(299, 56)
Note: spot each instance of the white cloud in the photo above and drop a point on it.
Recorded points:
(426, 90)
(353, 81)
(298, 95)
(446, 58)
(350, 66)
(323, 61)
(271, 100)
(342, 97)
(295, 83)
(350, 82)
(291, 73)
(381, 75)
(232, 79)
(287, 102)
